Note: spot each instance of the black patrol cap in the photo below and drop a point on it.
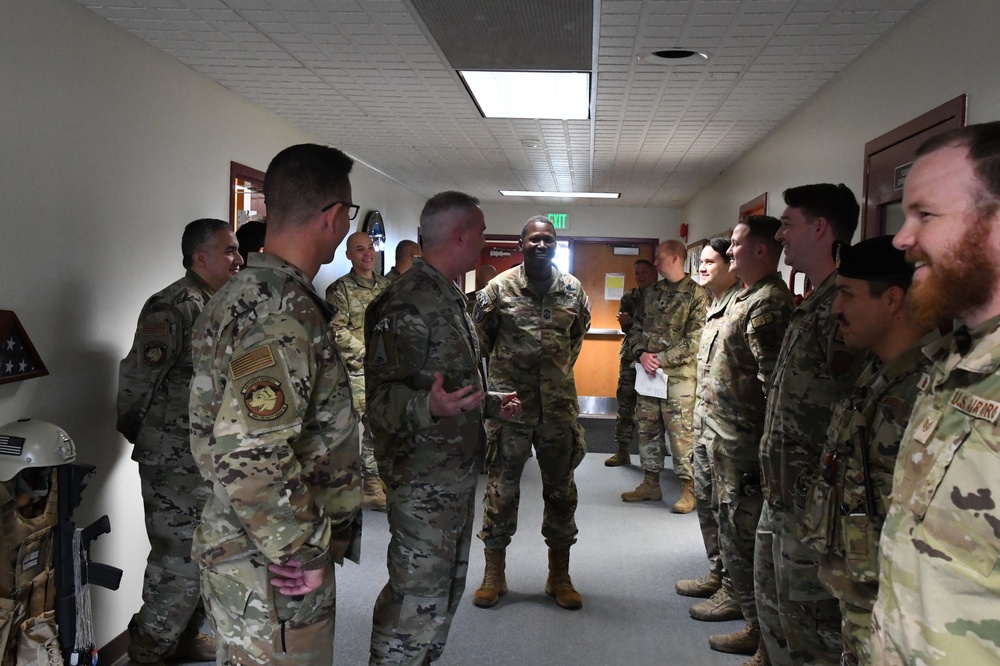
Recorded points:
(873, 259)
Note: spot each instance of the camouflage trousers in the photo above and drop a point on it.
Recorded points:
(740, 503)
(707, 499)
(626, 395)
(255, 625)
(172, 498)
(428, 559)
(369, 468)
(799, 619)
(672, 417)
(856, 630)
(559, 448)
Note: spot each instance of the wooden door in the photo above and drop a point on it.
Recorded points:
(593, 261)
(888, 159)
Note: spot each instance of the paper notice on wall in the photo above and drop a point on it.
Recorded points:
(653, 386)
(614, 286)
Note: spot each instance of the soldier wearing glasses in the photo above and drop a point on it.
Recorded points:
(274, 431)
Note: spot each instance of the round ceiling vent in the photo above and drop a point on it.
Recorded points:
(674, 57)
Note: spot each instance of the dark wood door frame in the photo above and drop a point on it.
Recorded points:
(954, 109)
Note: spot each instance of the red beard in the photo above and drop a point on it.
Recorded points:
(958, 283)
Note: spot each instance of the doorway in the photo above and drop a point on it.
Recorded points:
(888, 159)
(604, 268)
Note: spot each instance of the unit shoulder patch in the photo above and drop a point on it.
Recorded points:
(264, 398)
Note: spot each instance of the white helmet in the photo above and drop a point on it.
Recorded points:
(33, 443)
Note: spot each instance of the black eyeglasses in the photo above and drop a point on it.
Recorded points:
(352, 209)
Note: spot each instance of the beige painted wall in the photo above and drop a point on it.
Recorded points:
(108, 148)
(946, 48)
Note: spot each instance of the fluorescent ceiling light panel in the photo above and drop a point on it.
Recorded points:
(561, 195)
(548, 95)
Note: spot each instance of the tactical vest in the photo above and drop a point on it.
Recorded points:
(27, 578)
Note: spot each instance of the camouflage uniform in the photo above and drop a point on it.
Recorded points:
(799, 619)
(744, 347)
(839, 519)
(274, 431)
(670, 327)
(701, 454)
(392, 275)
(938, 586)
(349, 296)
(631, 304)
(532, 342)
(154, 385)
(431, 465)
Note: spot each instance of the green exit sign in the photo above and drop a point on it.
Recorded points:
(558, 220)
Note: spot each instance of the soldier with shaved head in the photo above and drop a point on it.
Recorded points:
(349, 296)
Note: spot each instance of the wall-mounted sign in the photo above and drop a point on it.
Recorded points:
(899, 175)
(558, 220)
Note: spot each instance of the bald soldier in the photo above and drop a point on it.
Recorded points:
(350, 295)
(154, 383)
(938, 587)
(406, 250)
(666, 338)
(843, 505)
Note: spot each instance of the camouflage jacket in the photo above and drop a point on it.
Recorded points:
(272, 427)
(416, 328)
(871, 420)
(707, 353)
(670, 325)
(939, 589)
(392, 275)
(349, 295)
(154, 379)
(814, 369)
(630, 304)
(744, 349)
(533, 341)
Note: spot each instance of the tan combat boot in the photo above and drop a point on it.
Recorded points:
(648, 490)
(494, 579)
(759, 657)
(702, 588)
(620, 458)
(685, 504)
(559, 584)
(720, 607)
(372, 494)
(744, 641)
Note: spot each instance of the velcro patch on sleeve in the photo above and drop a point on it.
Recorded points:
(265, 398)
(762, 320)
(155, 328)
(251, 362)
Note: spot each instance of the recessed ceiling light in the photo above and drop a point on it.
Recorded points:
(531, 143)
(674, 57)
(562, 195)
(547, 95)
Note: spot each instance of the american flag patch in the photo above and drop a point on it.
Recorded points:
(250, 363)
(30, 561)
(11, 445)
